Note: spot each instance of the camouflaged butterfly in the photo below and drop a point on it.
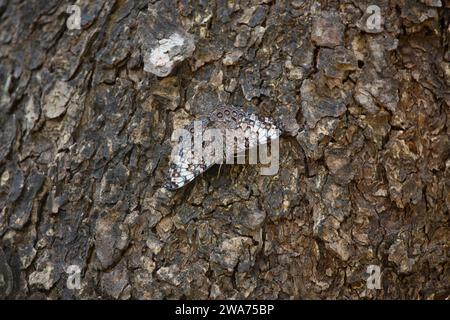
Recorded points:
(187, 163)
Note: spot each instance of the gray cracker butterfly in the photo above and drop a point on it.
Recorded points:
(187, 163)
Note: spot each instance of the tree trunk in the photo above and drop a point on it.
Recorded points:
(91, 93)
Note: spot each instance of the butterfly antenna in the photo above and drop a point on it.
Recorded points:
(218, 173)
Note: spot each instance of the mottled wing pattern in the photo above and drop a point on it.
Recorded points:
(256, 130)
(184, 166)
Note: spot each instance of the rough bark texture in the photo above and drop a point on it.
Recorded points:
(86, 117)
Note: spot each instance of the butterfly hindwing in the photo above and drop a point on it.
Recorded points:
(255, 130)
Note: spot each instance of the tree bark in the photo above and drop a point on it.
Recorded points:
(87, 111)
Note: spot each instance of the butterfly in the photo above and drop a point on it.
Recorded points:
(194, 154)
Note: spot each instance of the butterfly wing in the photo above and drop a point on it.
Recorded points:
(256, 130)
(186, 165)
